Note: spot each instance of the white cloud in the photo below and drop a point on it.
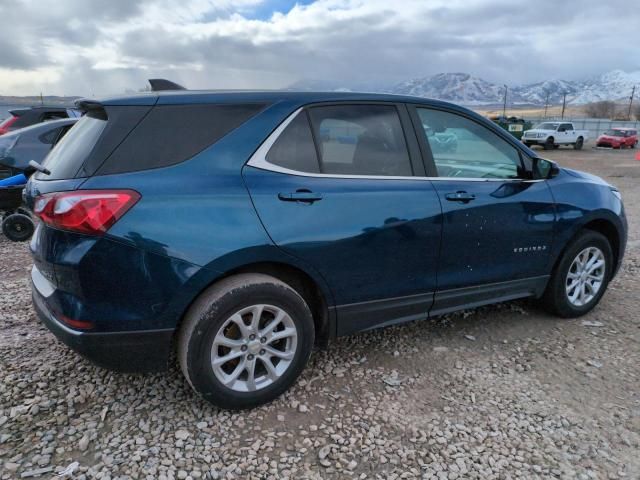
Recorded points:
(83, 47)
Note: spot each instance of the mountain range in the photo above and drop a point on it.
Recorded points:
(467, 89)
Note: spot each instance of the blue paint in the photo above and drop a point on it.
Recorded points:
(366, 240)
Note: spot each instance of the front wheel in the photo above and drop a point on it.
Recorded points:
(581, 277)
(245, 341)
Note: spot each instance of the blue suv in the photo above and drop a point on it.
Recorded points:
(240, 229)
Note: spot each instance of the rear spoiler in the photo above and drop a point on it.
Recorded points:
(86, 105)
(157, 85)
(161, 84)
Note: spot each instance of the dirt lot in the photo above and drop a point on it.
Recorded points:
(500, 392)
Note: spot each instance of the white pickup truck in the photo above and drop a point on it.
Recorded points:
(553, 134)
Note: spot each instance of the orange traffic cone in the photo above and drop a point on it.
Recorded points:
(638, 156)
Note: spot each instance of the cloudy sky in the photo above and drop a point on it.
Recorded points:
(96, 47)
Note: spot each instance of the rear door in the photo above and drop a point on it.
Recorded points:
(497, 223)
(336, 186)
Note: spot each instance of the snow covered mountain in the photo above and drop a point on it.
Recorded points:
(453, 87)
(467, 89)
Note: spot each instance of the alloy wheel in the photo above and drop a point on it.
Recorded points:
(585, 276)
(254, 347)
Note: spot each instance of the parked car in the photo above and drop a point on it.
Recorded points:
(227, 225)
(618, 138)
(553, 134)
(30, 143)
(24, 117)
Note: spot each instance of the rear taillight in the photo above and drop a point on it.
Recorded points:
(91, 212)
(4, 126)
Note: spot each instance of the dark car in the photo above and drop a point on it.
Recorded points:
(24, 117)
(18, 147)
(242, 228)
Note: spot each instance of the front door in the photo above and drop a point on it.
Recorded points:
(348, 204)
(497, 224)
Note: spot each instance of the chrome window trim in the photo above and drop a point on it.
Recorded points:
(259, 160)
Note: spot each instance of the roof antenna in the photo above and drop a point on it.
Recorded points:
(160, 84)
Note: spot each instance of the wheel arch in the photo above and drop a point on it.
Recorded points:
(603, 226)
(609, 230)
(305, 285)
(311, 288)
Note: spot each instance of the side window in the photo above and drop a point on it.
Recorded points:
(565, 127)
(465, 149)
(294, 148)
(360, 140)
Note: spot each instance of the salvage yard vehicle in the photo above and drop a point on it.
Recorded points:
(553, 134)
(19, 147)
(242, 228)
(24, 117)
(618, 138)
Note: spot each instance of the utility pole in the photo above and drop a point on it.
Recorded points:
(546, 104)
(504, 105)
(633, 90)
(564, 103)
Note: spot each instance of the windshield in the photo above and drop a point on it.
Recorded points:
(69, 154)
(614, 133)
(547, 126)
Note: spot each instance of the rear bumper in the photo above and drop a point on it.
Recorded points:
(132, 351)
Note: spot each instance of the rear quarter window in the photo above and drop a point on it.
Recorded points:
(68, 155)
(171, 134)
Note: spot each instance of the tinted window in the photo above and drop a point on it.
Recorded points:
(50, 136)
(294, 148)
(67, 156)
(360, 140)
(465, 149)
(170, 134)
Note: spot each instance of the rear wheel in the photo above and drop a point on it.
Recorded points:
(548, 144)
(578, 144)
(581, 277)
(634, 144)
(18, 227)
(245, 341)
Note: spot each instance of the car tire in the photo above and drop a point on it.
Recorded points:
(211, 331)
(565, 294)
(579, 143)
(548, 144)
(634, 144)
(18, 227)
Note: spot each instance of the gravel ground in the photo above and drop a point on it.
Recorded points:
(499, 392)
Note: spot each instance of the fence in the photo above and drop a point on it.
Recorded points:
(595, 126)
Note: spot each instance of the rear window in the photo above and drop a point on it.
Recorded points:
(360, 140)
(171, 134)
(68, 155)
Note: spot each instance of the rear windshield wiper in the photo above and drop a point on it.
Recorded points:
(38, 168)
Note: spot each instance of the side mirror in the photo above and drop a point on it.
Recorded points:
(544, 169)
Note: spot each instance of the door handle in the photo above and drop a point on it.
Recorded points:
(463, 197)
(304, 196)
